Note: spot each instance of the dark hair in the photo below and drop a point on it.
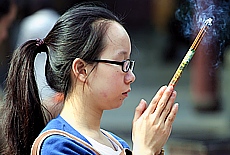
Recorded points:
(75, 35)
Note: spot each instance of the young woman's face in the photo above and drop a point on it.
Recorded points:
(108, 84)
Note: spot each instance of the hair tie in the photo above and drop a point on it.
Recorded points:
(39, 42)
(41, 46)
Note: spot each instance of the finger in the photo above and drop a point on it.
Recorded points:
(172, 115)
(163, 100)
(139, 110)
(169, 105)
(153, 104)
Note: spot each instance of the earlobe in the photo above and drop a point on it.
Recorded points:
(78, 68)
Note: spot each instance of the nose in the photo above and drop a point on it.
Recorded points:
(129, 77)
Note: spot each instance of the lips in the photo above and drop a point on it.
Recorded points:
(126, 93)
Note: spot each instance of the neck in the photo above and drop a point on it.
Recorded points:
(81, 115)
(85, 117)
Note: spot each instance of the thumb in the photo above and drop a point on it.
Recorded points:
(140, 110)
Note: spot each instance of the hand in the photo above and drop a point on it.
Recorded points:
(152, 125)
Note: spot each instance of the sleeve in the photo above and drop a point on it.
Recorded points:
(60, 145)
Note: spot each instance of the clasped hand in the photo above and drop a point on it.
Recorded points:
(152, 124)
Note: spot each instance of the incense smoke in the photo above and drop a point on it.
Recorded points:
(192, 14)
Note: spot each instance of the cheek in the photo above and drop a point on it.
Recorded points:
(115, 79)
(104, 94)
(110, 84)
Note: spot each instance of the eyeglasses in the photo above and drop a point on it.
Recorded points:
(126, 64)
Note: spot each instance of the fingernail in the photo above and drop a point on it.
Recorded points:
(143, 100)
(142, 103)
(176, 105)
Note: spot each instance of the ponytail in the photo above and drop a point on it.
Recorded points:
(24, 113)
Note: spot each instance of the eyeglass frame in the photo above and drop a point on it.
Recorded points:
(122, 63)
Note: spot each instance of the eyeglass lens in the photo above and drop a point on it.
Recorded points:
(128, 65)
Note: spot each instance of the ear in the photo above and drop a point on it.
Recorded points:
(78, 67)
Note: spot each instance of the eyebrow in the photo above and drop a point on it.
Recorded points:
(123, 53)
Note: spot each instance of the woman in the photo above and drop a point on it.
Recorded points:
(88, 60)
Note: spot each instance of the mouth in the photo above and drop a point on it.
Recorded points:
(126, 93)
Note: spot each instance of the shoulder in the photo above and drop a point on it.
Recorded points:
(56, 123)
(59, 144)
(59, 123)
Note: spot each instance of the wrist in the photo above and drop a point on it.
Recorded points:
(143, 151)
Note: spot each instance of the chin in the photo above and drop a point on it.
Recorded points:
(120, 104)
(115, 105)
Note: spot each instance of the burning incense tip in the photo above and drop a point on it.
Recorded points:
(190, 52)
(208, 22)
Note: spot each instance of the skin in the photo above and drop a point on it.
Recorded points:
(155, 120)
(84, 109)
(6, 21)
(53, 105)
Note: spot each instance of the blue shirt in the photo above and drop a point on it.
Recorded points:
(59, 145)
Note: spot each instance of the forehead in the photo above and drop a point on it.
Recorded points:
(116, 41)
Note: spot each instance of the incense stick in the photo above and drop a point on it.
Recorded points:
(190, 52)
